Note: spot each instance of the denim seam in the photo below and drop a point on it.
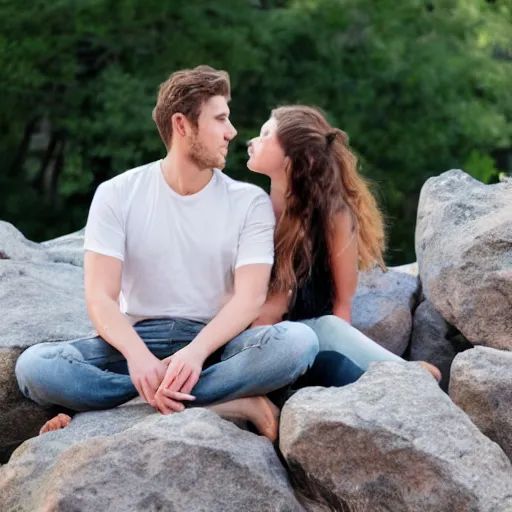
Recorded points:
(257, 345)
(68, 357)
(265, 337)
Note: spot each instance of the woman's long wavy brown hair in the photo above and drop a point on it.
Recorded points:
(323, 181)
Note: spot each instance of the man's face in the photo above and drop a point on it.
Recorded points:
(208, 143)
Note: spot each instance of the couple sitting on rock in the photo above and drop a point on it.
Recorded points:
(205, 291)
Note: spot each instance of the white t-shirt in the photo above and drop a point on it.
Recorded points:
(179, 252)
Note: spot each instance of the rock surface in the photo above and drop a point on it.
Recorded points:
(401, 445)
(132, 459)
(409, 268)
(435, 341)
(67, 248)
(20, 419)
(464, 252)
(14, 246)
(42, 300)
(481, 385)
(383, 305)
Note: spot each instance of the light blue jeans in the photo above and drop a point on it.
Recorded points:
(336, 335)
(86, 374)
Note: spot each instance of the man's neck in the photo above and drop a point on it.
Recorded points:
(183, 176)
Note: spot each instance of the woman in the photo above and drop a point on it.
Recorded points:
(328, 226)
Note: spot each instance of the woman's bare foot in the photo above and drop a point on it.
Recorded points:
(434, 370)
(60, 421)
(259, 410)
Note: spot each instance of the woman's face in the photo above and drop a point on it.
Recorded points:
(266, 156)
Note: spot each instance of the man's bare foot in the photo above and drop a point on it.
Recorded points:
(434, 370)
(264, 415)
(60, 421)
(259, 410)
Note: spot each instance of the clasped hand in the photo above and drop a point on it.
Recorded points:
(165, 384)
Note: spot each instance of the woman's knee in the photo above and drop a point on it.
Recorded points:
(331, 322)
(331, 331)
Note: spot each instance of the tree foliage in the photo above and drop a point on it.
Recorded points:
(420, 87)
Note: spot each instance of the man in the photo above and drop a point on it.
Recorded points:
(177, 264)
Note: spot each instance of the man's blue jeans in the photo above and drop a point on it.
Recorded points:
(90, 373)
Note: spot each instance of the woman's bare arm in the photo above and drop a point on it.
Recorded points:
(273, 310)
(343, 256)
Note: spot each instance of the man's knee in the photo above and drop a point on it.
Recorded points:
(301, 341)
(28, 366)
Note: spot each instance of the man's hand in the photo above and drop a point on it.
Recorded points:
(183, 370)
(147, 373)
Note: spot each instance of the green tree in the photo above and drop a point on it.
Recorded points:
(417, 87)
(420, 87)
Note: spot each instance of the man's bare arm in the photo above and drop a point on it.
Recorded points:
(250, 291)
(102, 288)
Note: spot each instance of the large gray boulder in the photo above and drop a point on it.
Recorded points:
(464, 251)
(435, 341)
(19, 418)
(14, 246)
(41, 301)
(408, 268)
(67, 248)
(481, 385)
(133, 459)
(383, 305)
(392, 441)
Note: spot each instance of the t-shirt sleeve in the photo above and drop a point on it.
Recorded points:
(256, 243)
(104, 231)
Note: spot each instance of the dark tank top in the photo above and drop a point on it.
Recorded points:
(315, 297)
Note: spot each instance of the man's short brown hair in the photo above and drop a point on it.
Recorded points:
(185, 91)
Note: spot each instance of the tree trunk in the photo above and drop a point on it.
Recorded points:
(52, 190)
(39, 182)
(17, 164)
